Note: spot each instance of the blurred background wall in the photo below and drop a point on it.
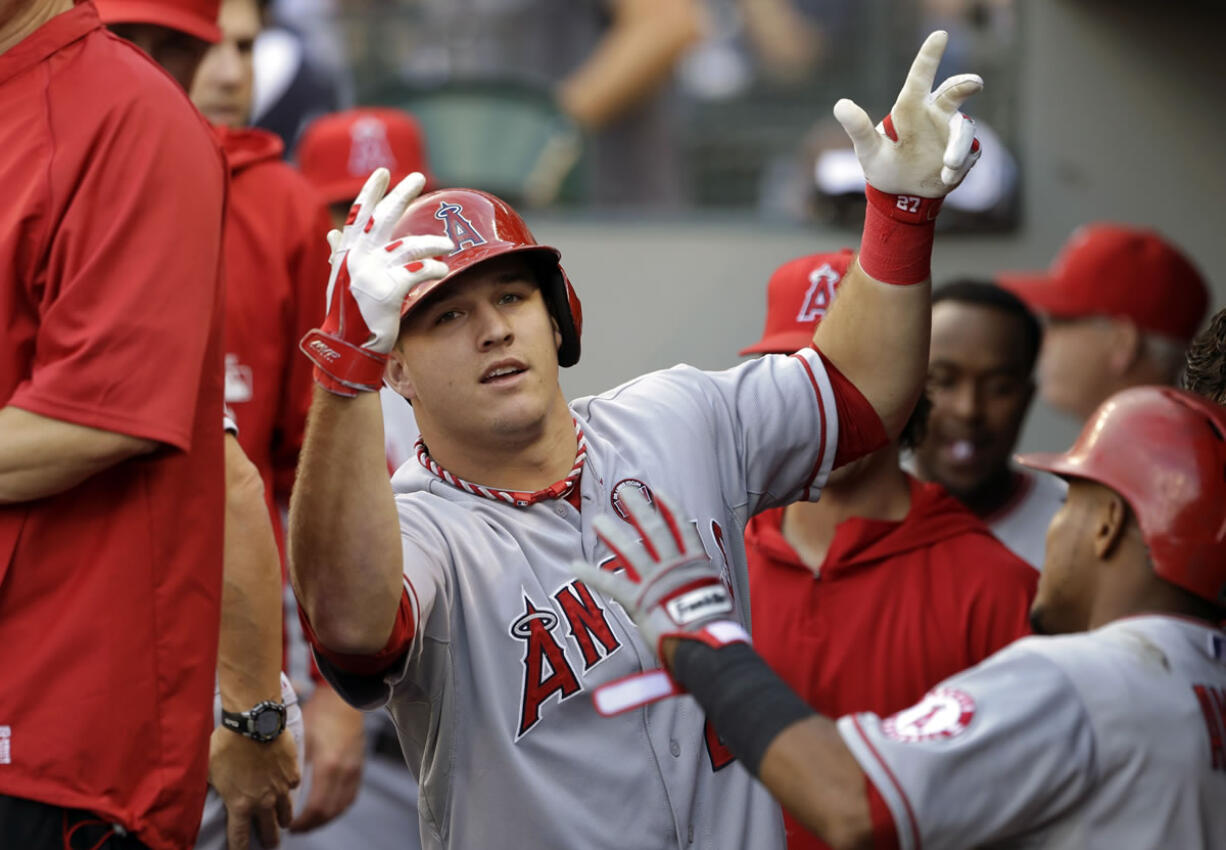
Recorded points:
(1122, 116)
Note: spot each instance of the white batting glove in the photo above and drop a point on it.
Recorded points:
(669, 587)
(925, 146)
(371, 276)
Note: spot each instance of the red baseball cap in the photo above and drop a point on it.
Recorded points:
(194, 17)
(797, 296)
(338, 152)
(1114, 270)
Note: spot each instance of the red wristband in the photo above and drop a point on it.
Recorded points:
(898, 231)
(340, 366)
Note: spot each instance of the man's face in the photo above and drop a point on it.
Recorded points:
(1066, 587)
(481, 359)
(1077, 364)
(222, 90)
(177, 52)
(980, 389)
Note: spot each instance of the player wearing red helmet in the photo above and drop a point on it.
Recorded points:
(447, 598)
(1109, 733)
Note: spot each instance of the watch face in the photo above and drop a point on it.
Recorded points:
(267, 722)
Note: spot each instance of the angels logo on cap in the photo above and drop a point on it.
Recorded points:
(460, 230)
(370, 148)
(820, 294)
(619, 491)
(942, 713)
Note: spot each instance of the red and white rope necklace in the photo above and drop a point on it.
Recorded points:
(520, 498)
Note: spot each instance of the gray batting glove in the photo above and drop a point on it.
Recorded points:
(669, 588)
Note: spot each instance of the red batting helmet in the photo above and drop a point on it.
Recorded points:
(1164, 452)
(483, 227)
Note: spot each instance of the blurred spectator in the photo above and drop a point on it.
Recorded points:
(111, 453)
(1205, 367)
(879, 547)
(608, 64)
(339, 151)
(290, 88)
(1121, 305)
(981, 380)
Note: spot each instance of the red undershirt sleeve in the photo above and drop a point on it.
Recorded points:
(369, 665)
(885, 834)
(860, 429)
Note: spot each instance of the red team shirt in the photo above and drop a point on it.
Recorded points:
(897, 608)
(276, 263)
(110, 317)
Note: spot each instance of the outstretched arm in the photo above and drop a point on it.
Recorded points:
(345, 556)
(676, 597)
(877, 330)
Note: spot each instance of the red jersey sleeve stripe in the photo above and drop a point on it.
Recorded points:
(885, 834)
(370, 665)
(902, 795)
(821, 410)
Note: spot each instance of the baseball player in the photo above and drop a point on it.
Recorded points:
(1109, 732)
(446, 596)
(980, 379)
(1204, 371)
(111, 485)
(878, 546)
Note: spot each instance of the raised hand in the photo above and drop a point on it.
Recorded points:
(370, 278)
(925, 146)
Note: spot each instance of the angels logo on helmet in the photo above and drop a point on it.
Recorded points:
(460, 230)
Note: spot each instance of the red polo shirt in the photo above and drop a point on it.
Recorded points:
(896, 608)
(110, 317)
(276, 263)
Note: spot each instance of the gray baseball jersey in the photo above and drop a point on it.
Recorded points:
(492, 703)
(1022, 523)
(1107, 739)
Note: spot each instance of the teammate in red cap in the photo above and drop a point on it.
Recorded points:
(1110, 731)
(338, 152)
(111, 460)
(446, 597)
(878, 547)
(1122, 303)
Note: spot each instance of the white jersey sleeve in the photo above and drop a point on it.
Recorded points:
(995, 751)
(769, 425)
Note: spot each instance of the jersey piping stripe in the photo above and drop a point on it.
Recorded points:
(410, 594)
(902, 795)
(519, 498)
(821, 410)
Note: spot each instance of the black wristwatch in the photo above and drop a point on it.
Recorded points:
(263, 722)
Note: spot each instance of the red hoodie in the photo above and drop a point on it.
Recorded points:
(276, 268)
(896, 607)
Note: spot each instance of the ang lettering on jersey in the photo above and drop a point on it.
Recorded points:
(547, 669)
